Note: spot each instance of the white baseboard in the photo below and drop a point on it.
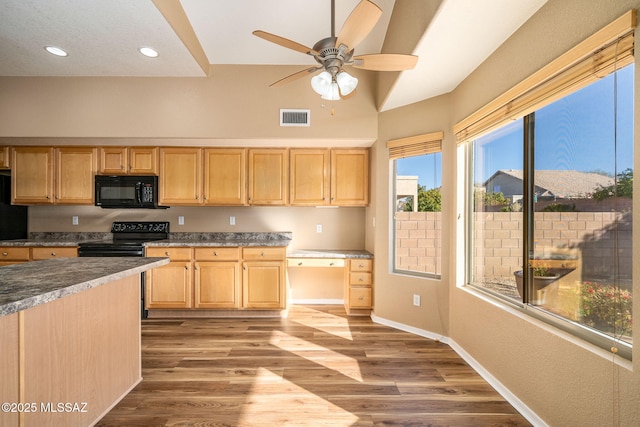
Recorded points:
(307, 301)
(524, 410)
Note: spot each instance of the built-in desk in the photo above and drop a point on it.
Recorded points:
(346, 276)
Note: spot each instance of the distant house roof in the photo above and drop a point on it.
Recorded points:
(563, 184)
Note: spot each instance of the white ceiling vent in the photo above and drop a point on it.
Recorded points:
(290, 117)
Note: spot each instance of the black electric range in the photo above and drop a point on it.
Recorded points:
(128, 239)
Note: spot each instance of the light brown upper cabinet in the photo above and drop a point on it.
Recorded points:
(5, 158)
(310, 177)
(46, 175)
(268, 176)
(350, 177)
(180, 176)
(322, 177)
(225, 171)
(128, 161)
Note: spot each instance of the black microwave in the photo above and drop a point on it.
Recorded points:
(122, 192)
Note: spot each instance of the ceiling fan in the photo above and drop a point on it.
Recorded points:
(333, 53)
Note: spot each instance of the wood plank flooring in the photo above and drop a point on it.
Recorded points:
(318, 367)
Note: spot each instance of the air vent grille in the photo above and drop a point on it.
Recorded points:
(295, 117)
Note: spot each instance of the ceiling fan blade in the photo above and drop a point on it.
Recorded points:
(289, 44)
(295, 76)
(359, 24)
(385, 62)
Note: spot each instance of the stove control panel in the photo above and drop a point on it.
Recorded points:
(140, 227)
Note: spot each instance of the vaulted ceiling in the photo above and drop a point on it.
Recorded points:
(102, 37)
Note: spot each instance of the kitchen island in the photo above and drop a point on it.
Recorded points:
(70, 338)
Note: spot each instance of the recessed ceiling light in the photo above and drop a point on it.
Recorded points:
(147, 51)
(55, 51)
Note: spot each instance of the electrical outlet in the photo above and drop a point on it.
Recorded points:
(232, 220)
(74, 220)
(416, 300)
(180, 220)
(318, 228)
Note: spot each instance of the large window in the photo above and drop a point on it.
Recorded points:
(417, 205)
(550, 201)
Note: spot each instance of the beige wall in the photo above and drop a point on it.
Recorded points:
(235, 103)
(563, 380)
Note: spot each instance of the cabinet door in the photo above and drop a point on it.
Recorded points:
(32, 175)
(5, 160)
(180, 176)
(217, 285)
(225, 172)
(263, 285)
(143, 160)
(268, 176)
(350, 177)
(75, 170)
(309, 184)
(113, 160)
(169, 286)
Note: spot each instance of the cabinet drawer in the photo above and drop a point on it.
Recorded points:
(315, 262)
(174, 254)
(361, 265)
(360, 297)
(53, 252)
(14, 254)
(217, 254)
(360, 278)
(262, 253)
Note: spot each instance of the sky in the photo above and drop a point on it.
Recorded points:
(574, 133)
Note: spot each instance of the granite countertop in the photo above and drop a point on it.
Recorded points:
(323, 253)
(225, 239)
(27, 285)
(56, 239)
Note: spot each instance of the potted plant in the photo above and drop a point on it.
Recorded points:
(542, 277)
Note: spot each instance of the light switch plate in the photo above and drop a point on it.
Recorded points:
(180, 220)
(318, 228)
(232, 220)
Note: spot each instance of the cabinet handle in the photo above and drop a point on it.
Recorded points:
(261, 253)
(331, 264)
(360, 279)
(300, 263)
(121, 167)
(53, 254)
(361, 298)
(215, 253)
(244, 267)
(186, 267)
(166, 253)
(4, 254)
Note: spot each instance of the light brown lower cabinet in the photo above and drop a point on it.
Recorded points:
(217, 278)
(358, 287)
(170, 286)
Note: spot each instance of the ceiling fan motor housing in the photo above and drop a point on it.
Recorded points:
(332, 58)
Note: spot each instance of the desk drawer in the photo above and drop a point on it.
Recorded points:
(361, 265)
(360, 298)
(360, 278)
(315, 262)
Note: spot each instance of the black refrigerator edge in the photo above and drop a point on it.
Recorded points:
(13, 219)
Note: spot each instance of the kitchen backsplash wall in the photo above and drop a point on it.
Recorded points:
(342, 228)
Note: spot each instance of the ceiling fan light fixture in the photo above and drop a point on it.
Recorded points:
(321, 83)
(346, 82)
(333, 94)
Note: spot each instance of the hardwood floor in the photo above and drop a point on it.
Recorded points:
(316, 368)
